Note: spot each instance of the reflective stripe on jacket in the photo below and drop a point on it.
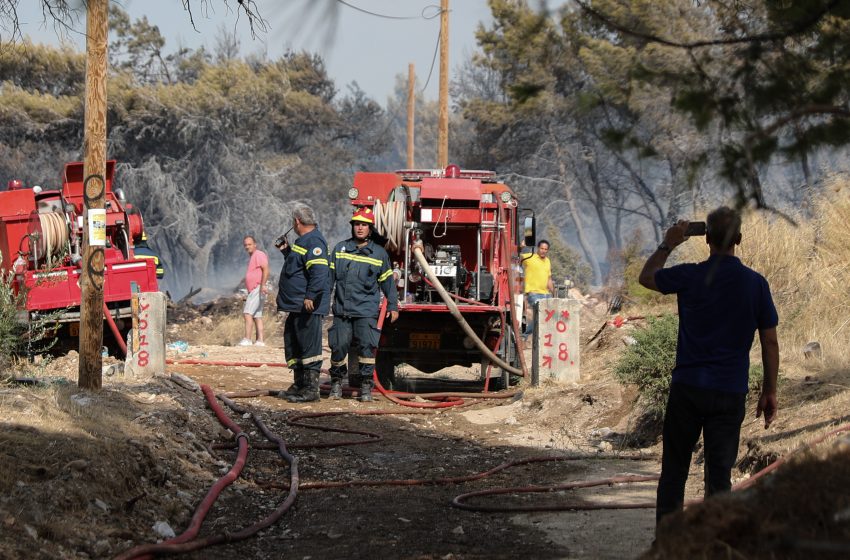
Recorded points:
(305, 275)
(144, 253)
(360, 274)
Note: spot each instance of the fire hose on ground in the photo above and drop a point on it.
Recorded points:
(186, 541)
(460, 501)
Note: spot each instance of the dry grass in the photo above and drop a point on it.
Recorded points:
(808, 266)
(228, 329)
(77, 467)
(791, 517)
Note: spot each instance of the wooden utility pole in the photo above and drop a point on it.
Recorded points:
(443, 124)
(94, 173)
(411, 112)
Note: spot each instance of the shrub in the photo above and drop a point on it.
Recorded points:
(627, 264)
(649, 362)
(11, 329)
(16, 336)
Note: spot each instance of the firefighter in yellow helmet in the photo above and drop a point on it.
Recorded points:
(361, 271)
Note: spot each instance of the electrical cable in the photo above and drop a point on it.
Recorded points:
(384, 16)
(433, 61)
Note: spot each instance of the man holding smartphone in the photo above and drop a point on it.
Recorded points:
(722, 303)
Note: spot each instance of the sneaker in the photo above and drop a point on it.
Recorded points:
(259, 343)
(245, 342)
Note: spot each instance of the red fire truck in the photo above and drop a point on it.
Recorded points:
(41, 239)
(453, 237)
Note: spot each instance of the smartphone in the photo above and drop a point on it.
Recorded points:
(695, 228)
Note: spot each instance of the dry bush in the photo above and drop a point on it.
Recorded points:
(807, 264)
(229, 330)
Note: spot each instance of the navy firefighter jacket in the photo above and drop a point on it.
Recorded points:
(305, 275)
(358, 273)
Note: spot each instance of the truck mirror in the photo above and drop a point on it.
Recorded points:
(528, 228)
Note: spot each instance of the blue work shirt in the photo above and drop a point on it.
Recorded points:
(358, 273)
(721, 305)
(305, 275)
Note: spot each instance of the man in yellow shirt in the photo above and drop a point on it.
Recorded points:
(538, 279)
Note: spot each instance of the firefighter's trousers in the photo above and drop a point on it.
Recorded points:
(364, 331)
(302, 342)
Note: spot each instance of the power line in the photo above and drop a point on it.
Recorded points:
(433, 60)
(422, 15)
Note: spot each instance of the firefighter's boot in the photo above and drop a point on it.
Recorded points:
(296, 386)
(337, 375)
(336, 389)
(310, 391)
(366, 390)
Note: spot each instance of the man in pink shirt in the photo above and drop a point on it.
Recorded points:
(256, 276)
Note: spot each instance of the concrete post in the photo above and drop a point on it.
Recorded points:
(555, 348)
(148, 359)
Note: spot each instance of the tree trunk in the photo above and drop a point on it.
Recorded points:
(200, 256)
(599, 207)
(576, 217)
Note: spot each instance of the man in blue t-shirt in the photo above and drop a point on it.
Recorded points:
(722, 303)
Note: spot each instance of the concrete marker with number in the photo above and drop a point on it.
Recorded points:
(555, 348)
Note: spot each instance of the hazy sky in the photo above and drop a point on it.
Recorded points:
(357, 47)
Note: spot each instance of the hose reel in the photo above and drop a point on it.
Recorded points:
(49, 236)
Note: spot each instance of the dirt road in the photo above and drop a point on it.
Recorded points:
(418, 521)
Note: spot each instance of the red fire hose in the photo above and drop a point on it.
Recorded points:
(439, 400)
(186, 541)
(460, 501)
(114, 328)
(189, 361)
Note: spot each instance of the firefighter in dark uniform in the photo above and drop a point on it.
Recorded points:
(361, 271)
(142, 251)
(304, 292)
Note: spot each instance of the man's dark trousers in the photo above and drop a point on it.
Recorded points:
(302, 342)
(718, 414)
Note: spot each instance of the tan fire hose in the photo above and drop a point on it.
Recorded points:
(423, 263)
(389, 222)
(54, 235)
